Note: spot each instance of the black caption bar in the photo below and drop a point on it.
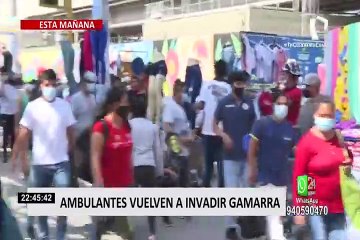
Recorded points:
(29, 198)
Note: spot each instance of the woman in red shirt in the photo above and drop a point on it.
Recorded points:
(319, 155)
(111, 143)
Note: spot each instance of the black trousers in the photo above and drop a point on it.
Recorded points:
(8, 124)
(145, 177)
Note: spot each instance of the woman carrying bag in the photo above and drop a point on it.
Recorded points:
(111, 156)
(320, 154)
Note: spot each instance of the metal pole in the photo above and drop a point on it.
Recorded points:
(70, 16)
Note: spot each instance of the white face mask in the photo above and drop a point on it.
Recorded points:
(49, 93)
(280, 111)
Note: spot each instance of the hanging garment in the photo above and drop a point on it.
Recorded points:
(86, 53)
(249, 60)
(81, 64)
(1, 60)
(69, 58)
(228, 56)
(193, 80)
(280, 58)
(158, 72)
(8, 62)
(98, 44)
(264, 66)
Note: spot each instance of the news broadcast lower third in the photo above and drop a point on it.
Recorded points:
(154, 201)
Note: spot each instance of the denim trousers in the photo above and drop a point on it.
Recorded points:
(329, 227)
(212, 153)
(58, 175)
(235, 176)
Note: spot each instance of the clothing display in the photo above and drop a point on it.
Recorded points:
(69, 58)
(86, 53)
(280, 58)
(248, 59)
(158, 72)
(98, 44)
(228, 56)
(193, 80)
(264, 62)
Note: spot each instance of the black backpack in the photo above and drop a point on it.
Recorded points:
(252, 227)
(84, 143)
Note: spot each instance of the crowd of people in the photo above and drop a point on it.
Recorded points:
(108, 140)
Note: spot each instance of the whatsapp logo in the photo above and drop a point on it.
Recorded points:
(302, 186)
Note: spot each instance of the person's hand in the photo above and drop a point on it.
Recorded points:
(228, 143)
(98, 181)
(252, 176)
(299, 220)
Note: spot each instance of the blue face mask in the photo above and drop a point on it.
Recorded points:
(324, 124)
(49, 93)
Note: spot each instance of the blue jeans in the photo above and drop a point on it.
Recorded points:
(213, 153)
(58, 175)
(329, 227)
(235, 176)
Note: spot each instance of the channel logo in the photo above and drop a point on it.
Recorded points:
(305, 186)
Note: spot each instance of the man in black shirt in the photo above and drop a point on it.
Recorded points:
(137, 92)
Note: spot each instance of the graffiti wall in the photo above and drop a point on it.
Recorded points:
(177, 52)
(342, 62)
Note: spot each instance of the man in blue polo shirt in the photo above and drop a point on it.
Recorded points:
(272, 140)
(234, 117)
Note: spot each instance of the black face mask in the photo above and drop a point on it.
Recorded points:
(306, 93)
(123, 112)
(239, 92)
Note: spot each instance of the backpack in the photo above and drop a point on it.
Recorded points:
(83, 143)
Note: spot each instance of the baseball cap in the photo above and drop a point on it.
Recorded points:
(292, 67)
(312, 79)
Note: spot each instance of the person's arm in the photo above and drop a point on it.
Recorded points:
(167, 119)
(255, 138)
(302, 157)
(200, 100)
(218, 117)
(18, 112)
(97, 146)
(158, 156)
(70, 129)
(23, 136)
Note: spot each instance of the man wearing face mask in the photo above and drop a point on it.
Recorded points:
(312, 93)
(271, 143)
(236, 114)
(84, 108)
(50, 121)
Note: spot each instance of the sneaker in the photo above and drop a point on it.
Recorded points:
(31, 232)
(231, 234)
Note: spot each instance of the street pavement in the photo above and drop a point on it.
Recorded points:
(211, 228)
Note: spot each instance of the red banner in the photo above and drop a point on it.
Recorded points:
(61, 24)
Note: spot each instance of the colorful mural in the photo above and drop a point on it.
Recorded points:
(341, 97)
(177, 52)
(35, 58)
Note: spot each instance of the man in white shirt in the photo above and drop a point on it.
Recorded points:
(9, 97)
(176, 122)
(84, 108)
(50, 121)
(210, 94)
